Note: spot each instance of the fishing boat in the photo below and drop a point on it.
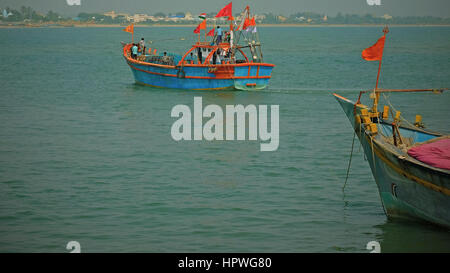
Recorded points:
(208, 65)
(410, 164)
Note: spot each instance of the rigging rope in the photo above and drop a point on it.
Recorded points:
(349, 163)
(401, 117)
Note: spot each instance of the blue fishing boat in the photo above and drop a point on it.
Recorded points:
(410, 164)
(208, 65)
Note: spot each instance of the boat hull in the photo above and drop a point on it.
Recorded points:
(202, 77)
(407, 188)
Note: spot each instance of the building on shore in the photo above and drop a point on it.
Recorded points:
(113, 14)
(137, 18)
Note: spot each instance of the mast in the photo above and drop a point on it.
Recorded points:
(239, 30)
(377, 94)
(251, 38)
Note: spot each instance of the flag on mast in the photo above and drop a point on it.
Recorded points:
(226, 11)
(211, 32)
(375, 52)
(246, 24)
(250, 25)
(202, 25)
(202, 16)
(129, 29)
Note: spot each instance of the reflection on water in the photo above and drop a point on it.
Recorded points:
(401, 235)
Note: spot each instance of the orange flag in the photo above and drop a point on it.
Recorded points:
(226, 11)
(202, 25)
(375, 52)
(129, 29)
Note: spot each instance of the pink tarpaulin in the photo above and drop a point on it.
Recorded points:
(436, 154)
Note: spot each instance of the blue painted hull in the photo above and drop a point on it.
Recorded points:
(407, 187)
(200, 78)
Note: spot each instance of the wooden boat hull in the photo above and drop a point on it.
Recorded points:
(247, 76)
(407, 187)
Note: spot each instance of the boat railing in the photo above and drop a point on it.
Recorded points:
(164, 60)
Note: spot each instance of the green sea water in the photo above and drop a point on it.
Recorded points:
(87, 155)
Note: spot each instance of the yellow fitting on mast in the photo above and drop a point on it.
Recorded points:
(397, 116)
(418, 118)
(385, 112)
(418, 122)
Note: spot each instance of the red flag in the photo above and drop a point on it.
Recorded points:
(129, 29)
(375, 52)
(246, 24)
(202, 25)
(197, 29)
(210, 33)
(226, 11)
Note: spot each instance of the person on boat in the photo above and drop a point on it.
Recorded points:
(199, 53)
(166, 59)
(142, 45)
(190, 59)
(219, 35)
(219, 58)
(214, 58)
(134, 51)
(227, 37)
(223, 55)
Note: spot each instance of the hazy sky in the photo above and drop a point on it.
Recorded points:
(331, 7)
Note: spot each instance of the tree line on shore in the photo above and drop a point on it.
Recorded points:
(27, 14)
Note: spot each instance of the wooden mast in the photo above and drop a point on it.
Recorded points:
(376, 94)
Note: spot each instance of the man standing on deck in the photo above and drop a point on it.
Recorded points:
(219, 35)
(199, 54)
(134, 51)
(190, 59)
(142, 45)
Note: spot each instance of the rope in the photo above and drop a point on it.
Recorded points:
(373, 156)
(401, 116)
(360, 143)
(349, 163)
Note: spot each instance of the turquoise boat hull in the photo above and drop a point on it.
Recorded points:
(249, 76)
(408, 188)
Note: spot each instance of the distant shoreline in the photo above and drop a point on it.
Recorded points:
(192, 25)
